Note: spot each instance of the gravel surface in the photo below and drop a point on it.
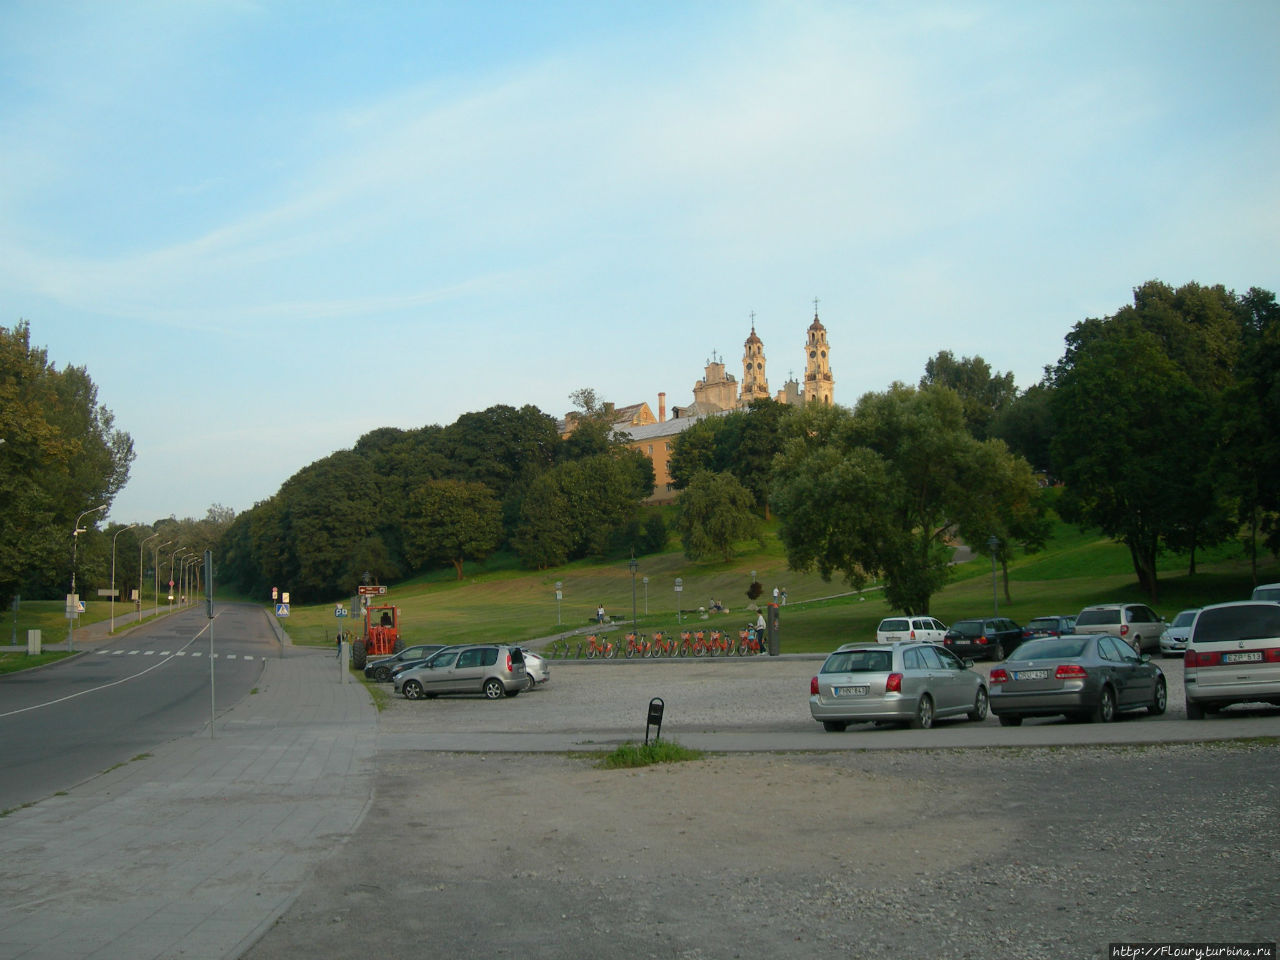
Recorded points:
(1014, 852)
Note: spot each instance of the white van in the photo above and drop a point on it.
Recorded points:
(1267, 591)
(1233, 656)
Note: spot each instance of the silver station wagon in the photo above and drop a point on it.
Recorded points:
(494, 670)
(913, 683)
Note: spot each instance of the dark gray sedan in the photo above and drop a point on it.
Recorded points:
(1088, 678)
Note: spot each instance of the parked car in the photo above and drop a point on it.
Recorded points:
(495, 670)
(1173, 642)
(902, 682)
(1233, 656)
(1267, 591)
(380, 669)
(1054, 626)
(537, 667)
(1086, 676)
(1134, 623)
(893, 629)
(989, 638)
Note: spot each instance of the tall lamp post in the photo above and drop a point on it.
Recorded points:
(633, 566)
(993, 544)
(176, 551)
(113, 573)
(141, 547)
(75, 545)
(155, 562)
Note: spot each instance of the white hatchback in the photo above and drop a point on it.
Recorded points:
(919, 629)
(1233, 656)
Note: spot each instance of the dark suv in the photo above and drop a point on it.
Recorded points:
(989, 638)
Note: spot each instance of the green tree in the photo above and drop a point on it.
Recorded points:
(1135, 393)
(879, 491)
(61, 454)
(716, 511)
(983, 394)
(452, 520)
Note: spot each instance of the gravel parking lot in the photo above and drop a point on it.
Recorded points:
(1018, 852)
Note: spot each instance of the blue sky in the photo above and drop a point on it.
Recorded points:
(268, 228)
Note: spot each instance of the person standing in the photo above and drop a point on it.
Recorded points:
(600, 614)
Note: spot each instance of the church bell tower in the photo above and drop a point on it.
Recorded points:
(818, 385)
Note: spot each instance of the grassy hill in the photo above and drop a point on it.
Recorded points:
(502, 601)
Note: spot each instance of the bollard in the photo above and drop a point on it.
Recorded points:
(33, 643)
(344, 660)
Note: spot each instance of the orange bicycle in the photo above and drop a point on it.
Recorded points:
(600, 647)
(637, 645)
(662, 647)
(750, 642)
(686, 647)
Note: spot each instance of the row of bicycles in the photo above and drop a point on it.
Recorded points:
(690, 643)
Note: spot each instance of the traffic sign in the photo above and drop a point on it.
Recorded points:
(282, 609)
(371, 590)
(339, 611)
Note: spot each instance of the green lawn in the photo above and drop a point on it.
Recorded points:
(504, 602)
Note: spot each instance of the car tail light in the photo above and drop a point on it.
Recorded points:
(1124, 629)
(508, 663)
(1070, 671)
(1205, 659)
(1271, 656)
(999, 675)
(913, 634)
(982, 640)
(893, 684)
(813, 687)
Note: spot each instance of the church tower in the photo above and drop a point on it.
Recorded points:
(755, 386)
(818, 385)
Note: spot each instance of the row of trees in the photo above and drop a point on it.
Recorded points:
(1159, 421)
(405, 501)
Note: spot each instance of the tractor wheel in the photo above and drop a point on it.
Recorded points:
(358, 657)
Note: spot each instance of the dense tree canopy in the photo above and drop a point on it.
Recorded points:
(983, 394)
(715, 513)
(882, 490)
(62, 455)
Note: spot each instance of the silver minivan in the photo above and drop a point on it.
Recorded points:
(1233, 656)
(494, 670)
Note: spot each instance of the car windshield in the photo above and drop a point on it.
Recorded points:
(1184, 618)
(1254, 621)
(859, 661)
(967, 628)
(888, 625)
(1267, 593)
(1090, 618)
(1043, 623)
(1055, 648)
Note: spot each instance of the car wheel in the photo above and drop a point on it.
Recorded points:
(923, 719)
(413, 690)
(493, 689)
(1104, 710)
(1160, 700)
(382, 674)
(1194, 711)
(997, 652)
(834, 726)
(980, 703)
(1010, 720)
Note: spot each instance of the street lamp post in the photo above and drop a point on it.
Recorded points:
(633, 566)
(141, 547)
(113, 573)
(993, 544)
(155, 562)
(71, 598)
(176, 551)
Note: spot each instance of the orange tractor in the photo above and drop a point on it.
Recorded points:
(381, 635)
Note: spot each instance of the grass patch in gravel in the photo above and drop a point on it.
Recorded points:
(646, 754)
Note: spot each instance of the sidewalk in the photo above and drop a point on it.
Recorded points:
(194, 850)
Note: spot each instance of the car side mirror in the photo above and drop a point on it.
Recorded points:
(968, 663)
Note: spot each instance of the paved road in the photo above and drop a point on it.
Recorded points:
(197, 849)
(119, 698)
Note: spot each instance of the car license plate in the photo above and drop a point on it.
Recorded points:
(1251, 656)
(859, 691)
(1031, 675)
